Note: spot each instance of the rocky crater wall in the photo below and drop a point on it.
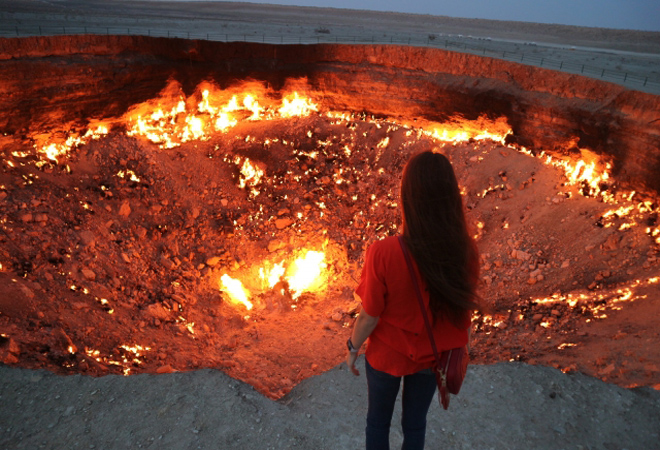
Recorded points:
(47, 82)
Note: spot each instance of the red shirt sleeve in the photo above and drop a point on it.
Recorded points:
(372, 288)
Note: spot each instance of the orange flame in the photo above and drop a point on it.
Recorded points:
(173, 119)
(272, 275)
(296, 106)
(251, 175)
(306, 272)
(235, 290)
(462, 130)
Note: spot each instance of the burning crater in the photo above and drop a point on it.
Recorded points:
(159, 212)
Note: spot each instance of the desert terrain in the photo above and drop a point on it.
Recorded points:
(560, 373)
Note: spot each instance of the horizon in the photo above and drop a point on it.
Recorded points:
(639, 15)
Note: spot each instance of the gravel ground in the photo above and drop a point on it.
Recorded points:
(504, 406)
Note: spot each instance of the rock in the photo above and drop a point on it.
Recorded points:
(283, 223)
(565, 264)
(87, 238)
(141, 232)
(125, 209)
(273, 246)
(25, 218)
(612, 242)
(13, 347)
(213, 261)
(607, 370)
(9, 358)
(88, 274)
(157, 312)
(337, 317)
(520, 255)
(165, 369)
(167, 263)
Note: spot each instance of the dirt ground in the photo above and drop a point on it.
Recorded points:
(572, 280)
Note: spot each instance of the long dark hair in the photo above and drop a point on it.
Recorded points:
(436, 233)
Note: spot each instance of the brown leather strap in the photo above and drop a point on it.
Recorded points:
(429, 330)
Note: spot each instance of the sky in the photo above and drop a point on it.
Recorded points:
(622, 14)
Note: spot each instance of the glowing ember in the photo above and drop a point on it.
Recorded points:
(235, 290)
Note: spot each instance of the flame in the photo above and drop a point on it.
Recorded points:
(173, 119)
(273, 275)
(591, 175)
(128, 173)
(383, 143)
(54, 151)
(306, 271)
(462, 130)
(235, 290)
(251, 174)
(296, 106)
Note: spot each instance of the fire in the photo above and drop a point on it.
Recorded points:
(302, 274)
(273, 275)
(173, 119)
(251, 175)
(296, 106)
(306, 271)
(235, 290)
(128, 173)
(54, 151)
(462, 130)
(590, 175)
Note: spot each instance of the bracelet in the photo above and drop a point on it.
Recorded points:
(351, 347)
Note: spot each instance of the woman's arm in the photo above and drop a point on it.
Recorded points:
(364, 326)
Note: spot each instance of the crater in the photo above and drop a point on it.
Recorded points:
(171, 205)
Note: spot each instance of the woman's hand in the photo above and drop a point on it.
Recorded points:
(350, 362)
(364, 325)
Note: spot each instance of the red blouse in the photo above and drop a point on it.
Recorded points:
(399, 345)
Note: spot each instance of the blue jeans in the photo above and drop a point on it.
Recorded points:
(418, 390)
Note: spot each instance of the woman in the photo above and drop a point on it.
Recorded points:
(447, 268)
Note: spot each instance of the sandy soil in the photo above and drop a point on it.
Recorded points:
(537, 406)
